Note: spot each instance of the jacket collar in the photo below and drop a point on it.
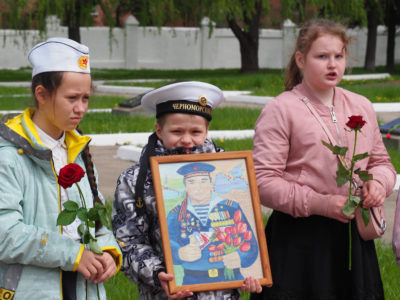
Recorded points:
(25, 129)
(304, 90)
(207, 147)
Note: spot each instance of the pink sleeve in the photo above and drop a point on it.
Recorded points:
(379, 165)
(278, 189)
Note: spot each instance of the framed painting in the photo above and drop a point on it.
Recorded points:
(210, 219)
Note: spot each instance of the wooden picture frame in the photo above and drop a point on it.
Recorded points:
(210, 219)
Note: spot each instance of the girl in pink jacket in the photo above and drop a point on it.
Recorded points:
(307, 233)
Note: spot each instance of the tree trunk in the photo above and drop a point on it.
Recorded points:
(74, 21)
(248, 40)
(390, 20)
(370, 54)
(390, 47)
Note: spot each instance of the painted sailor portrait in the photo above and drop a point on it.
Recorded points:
(210, 236)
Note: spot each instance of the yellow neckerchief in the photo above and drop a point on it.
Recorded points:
(75, 142)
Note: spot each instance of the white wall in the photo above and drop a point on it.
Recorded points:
(174, 48)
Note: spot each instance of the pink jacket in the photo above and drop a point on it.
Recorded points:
(296, 173)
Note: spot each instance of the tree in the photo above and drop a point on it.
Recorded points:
(391, 19)
(373, 10)
(249, 14)
(26, 14)
(349, 12)
(244, 17)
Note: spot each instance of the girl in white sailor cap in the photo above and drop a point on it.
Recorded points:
(40, 260)
(183, 112)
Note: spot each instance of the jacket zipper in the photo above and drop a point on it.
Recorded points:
(334, 120)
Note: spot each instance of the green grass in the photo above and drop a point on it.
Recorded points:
(395, 158)
(24, 74)
(121, 288)
(235, 145)
(376, 92)
(225, 118)
(267, 82)
(18, 98)
(390, 271)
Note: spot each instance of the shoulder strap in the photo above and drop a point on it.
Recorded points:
(306, 101)
(144, 166)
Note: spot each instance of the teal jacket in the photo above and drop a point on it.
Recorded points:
(29, 206)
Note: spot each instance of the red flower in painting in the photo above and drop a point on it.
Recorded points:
(70, 174)
(356, 122)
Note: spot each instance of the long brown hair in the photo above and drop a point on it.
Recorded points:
(89, 166)
(308, 33)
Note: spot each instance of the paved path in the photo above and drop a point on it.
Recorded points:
(110, 167)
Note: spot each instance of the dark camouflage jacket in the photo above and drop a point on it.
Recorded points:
(136, 227)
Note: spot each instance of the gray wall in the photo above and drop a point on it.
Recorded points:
(136, 47)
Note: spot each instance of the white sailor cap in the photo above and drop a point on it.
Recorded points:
(190, 97)
(59, 54)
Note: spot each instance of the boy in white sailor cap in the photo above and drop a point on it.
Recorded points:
(34, 147)
(183, 111)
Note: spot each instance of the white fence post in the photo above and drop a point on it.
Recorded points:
(131, 42)
(207, 46)
(54, 28)
(288, 40)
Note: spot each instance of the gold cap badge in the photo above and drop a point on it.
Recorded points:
(203, 100)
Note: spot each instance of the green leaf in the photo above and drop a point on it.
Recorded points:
(342, 175)
(71, 205)
(66, 217)
(364, 175)
(361, 156)
(87, 237)
(81, 229)
(104, 219)
(355, 199)
(94, 246)
(365, 215)
(91, 224)
(99, 206)
(328, 145)
(82, 214)
(349, 208)
(93, 214)
(336, 149)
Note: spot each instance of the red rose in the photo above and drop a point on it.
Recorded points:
(70, 174)
(388, 135)
(356, 122)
